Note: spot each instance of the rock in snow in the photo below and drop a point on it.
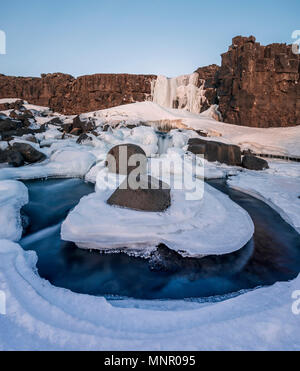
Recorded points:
(254, 163)
(119, 159)
(151, 194)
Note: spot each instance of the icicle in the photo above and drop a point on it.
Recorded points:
(180, 92)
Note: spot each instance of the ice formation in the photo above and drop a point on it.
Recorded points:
(279, 187)
(13, 195)
(181, 92)
(43, 317)
(209, 225)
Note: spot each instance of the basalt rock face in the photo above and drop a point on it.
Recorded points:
(259, 85)
(65, 94)
(256, 86)
(210, 75)
(216, 151)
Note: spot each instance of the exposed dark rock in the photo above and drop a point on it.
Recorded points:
(254, 163)
(106, 128)
(21, 115)
(83, 138)
(152, 195)
(164, 259)
(202, 133)
(65, 94)
(76, 131)
(30, 154)
(167, 260)
(67, 127)
(17, 105)
(259, 85)
(55, 121)
(9, 125)
(85, 125)
(15, 159)
(118, 159)
(216, 151)
(209, 75)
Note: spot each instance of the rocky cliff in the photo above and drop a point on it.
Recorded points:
(259, 85)
(65, 94)
(256, 86)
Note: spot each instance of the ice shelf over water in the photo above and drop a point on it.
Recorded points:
(13, 195)
(42, 317)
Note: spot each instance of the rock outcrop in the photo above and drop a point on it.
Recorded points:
(125, 158)
(254, 163)
(151, 195)
(256, 86)
(65, 94)
(216, 151)
(259, 85)
(20, 153)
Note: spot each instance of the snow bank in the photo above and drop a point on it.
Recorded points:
(63, 164)
(42, 317)
(13, 196)
(281, 192)
(10, 100)
(276, 141)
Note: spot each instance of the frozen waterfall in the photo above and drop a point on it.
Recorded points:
(184, 92)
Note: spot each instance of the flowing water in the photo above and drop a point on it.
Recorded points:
(272, 255)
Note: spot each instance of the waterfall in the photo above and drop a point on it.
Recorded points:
(185, 92)
(164, 143)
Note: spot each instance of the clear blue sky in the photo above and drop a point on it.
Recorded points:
(169, 37)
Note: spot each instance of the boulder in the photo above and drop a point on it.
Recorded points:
(9, 125)
(83, 138)
(85, 126)
(118, 159)
(55, 121)
(151, 195)
(76, 131)
(254, 163)
(228, 154)
(17, 105)
(11, 157)
(15, 159)
(30, 154)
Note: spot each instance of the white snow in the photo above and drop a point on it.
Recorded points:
(279, 187)
(13, 196)
(66, 163)
(42, 317)
(10, 100)
(275, 141)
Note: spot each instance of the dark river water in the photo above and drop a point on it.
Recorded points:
(272, 255)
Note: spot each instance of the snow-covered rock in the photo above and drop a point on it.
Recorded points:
(64, 164)
(213, 225)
